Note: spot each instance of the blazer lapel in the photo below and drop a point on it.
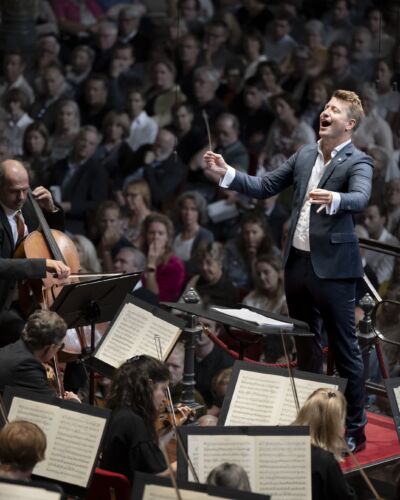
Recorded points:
(306, 165)
(7, 227)
(339, 158)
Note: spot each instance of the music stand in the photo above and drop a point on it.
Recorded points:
(293, 326)
(93, 301)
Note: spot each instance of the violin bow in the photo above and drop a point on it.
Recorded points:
(188, 460)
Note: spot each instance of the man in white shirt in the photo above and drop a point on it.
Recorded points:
(332, 181)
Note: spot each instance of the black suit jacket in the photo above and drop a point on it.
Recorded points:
(20, 368)
(333, 242)
(15, 269)
(86, 189)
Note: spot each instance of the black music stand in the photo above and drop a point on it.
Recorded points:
(192, 310)
(88, 302)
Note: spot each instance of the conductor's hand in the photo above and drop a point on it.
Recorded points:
(215, 167)
(58, 268)
(321, 197)
(44, 198)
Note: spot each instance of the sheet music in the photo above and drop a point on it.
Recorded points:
(73, 439)
(156, 492)
(26, 492)
(267, 399)
(133, 333)
(279, 466)
(253, 317)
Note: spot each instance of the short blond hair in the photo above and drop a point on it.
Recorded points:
(356, 111)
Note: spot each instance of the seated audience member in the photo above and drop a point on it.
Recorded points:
(138, 204)
(188, 50)
(388, 102)
(362, 61)
(215, 51)
(163, 93)
(67, 127)
(22, 446)
(287, 132)
(253, 51)
(131, 29)
(165, 272)
(229, 475)
(55, 88)
(132, 260)
(219, 386)
(87, 252)
(95, 103)
(269, 74)
(319, 90)
(131, 443)
(338, 68)
(190, 138)
(175, 364)
(110, 236)
(232, 80)
(392, 203)
(325, 412)
(21, 363)
(276, 215)
(83, 182)
(14, 67)
(255, 118)
(212, 284)
(209, 360)
(268, 293)
(279, 44)
(115, 130)
(380, 263)
(143, 128)
(16, 103)
(373, 129)
(105, 38)
(36, 150)
(228, 143)
(381, 43)
(255, 239)
(385, 170)
(314, 42)
(192, 212)
(75, 20)
(81, 66)
(161, 169)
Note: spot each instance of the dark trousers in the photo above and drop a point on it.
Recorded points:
(331, 302)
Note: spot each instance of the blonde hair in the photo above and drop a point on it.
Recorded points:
(325, 413)
(89, 259)
(356, 111)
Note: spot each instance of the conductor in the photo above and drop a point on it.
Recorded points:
(331, 181)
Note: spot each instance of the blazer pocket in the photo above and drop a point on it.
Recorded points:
(344, 238)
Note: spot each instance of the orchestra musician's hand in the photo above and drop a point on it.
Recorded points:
(216, 166)
(58, 268)
(71, 396)
(44, 199)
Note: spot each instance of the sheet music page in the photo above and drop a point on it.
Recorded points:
(22, 492)
(396, 391)
(156, 492)
(133, 333)
(304, 389)
(73, 439)
(206, 452)
(253, 317)
(284, 467)
(257, 399)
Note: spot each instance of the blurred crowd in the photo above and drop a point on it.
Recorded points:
(111, 111)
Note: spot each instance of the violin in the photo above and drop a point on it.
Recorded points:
(181, 414)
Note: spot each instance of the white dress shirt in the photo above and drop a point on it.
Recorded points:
(10, 214)
(143, 131)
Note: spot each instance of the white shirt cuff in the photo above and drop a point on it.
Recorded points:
(227, 180)
(334, 206)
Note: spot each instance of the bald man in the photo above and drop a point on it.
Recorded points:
(14, 188)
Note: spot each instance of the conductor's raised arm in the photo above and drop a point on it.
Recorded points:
(216, 167)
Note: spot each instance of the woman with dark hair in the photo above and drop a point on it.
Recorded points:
(255, 239)
(136, 396)
(269, 73)
(37, 153)
(165, 272)
(192, 212)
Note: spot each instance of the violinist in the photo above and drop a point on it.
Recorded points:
(136, 396)
(16, 220)
(21, 363)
